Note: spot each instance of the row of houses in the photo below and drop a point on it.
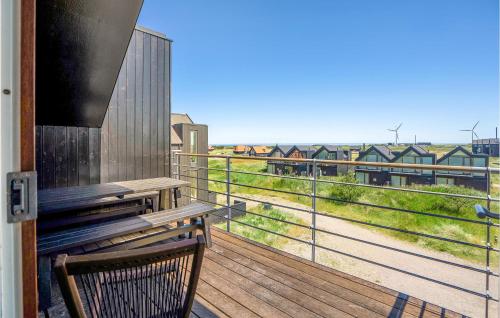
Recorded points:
(417, 155)
(413, 154)
(324, 152)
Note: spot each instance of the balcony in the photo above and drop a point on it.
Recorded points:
(288, 244)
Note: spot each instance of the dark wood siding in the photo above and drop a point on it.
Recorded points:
(135, 139)
(67, 156)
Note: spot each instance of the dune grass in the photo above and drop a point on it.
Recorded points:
(432, 204)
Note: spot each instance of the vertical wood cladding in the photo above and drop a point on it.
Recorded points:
(135, 139)
(67, 156)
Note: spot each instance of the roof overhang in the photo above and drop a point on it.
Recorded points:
(81, 45)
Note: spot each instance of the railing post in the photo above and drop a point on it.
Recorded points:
(228, 193)
(488, 242)
(313, 214)
(178, 162)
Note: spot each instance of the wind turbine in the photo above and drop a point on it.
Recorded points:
(395, 130)
(472, 132)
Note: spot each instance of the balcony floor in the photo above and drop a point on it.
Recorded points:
(241, 278)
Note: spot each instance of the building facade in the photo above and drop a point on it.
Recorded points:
(489, 147)
(462, 157)
(374, 175)
(406, 176)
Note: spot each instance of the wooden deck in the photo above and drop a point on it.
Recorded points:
(241, 278)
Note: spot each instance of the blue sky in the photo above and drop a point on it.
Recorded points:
(332, 71)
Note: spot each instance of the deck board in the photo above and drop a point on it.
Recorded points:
(241, 278)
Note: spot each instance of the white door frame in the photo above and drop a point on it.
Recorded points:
(10, 234)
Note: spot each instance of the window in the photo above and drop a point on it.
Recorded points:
(446, 181)
(362, 177)
(193, 145)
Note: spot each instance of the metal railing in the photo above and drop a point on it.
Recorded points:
(183, 170)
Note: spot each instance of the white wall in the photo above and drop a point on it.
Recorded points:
(10, 248)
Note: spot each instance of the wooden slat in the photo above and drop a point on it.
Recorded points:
(48, 157)
(70, 206)
(112, 114)
(81, 193)
(122, 124)
(162, 120)
(76, 237)
(72, 156)
(94, 156)
(83, 156)
(342, 301)
(152, 184)
(146, 108)
(61, 157)
(154, 106)
(139, 53)
(130, 108)
(412, 305)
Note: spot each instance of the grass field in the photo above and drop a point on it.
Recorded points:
(439, 205)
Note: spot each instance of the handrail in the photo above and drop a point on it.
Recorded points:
(488, 221)
(355, 163)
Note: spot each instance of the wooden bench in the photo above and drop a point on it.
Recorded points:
(62, 215)
(54, 243)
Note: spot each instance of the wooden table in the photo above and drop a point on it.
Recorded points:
(113, 189)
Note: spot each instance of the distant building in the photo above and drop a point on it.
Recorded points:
(299, 168)
(241, 150)
(328, 152)
(489, 146)
(211, 148)
(408, 176)
(259, 151)
(462, 157)
(370, 174)
(279, 151)
(188, 137)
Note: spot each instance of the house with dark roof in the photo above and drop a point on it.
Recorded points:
(374, 175)
(488, 146)
(299, 168)
(407, 176)
(278, 151)
(463, 157)
(330, 152)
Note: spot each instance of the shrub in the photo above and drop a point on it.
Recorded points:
(346, 192)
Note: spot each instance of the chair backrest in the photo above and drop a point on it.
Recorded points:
(158, 281)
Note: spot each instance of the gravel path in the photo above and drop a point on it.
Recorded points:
(453, 299)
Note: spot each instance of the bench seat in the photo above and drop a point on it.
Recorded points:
(66, 239)
(54, 208)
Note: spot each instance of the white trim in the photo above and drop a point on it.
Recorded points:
(10, 234)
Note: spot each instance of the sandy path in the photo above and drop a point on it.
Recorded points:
(453, 299)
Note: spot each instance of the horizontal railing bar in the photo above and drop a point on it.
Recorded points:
(274, 190)
(407, 232)
(472, 268)
(356, 163)
(370, 243)
(271, 203)
(469, 291)
(365, 204)
(442, 216)
(456, 195)
(366, 260)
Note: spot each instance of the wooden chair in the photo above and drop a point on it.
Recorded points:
(158, 281)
